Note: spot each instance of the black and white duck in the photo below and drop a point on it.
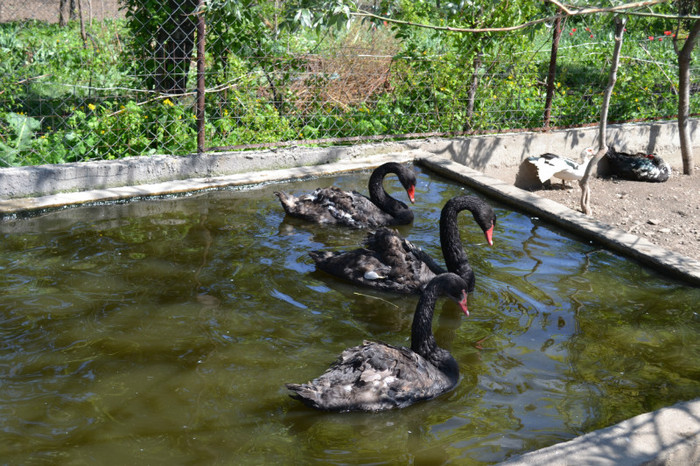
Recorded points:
(550, 166)
(388, 262)
(377, 376)
(334, 206)
(638, 167)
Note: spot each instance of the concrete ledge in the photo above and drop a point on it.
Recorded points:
(43, 180)
(500, 150)
(669, 436)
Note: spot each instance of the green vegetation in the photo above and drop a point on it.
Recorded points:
(269, 79)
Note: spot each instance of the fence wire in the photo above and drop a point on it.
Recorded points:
(100, 79)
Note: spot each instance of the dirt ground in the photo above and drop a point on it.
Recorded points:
(666, 214)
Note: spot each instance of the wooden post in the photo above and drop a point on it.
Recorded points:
(551, 75)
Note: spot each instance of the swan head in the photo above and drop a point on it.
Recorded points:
(486, 218)
(407, 177)
(455, 288)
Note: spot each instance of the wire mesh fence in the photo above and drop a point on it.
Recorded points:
(103, 79)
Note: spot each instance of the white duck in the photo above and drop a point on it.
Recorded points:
(550, 165)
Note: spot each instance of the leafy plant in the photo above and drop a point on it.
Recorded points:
(22, 130)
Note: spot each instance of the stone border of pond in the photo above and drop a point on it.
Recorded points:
(668, 436)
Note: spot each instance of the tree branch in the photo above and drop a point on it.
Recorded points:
(367, 14)
(568, 11)
(612, 9)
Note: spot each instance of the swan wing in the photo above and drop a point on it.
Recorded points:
(387, 262)
(373, 376)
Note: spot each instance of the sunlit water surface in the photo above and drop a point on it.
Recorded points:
(163, 331)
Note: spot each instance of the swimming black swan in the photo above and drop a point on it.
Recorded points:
(551, 165)
(389, 262)
(376, 376)
(638, 167)
(350, 208)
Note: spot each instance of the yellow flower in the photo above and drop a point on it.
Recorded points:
(168, 102)
(91, 107)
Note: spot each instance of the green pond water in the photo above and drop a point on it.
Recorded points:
(163, 331)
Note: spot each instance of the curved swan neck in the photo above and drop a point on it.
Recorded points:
(450, 239)
(378, 195)
(376, 185)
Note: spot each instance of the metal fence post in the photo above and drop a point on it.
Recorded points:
(201, 27)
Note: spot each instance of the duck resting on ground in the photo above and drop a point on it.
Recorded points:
(334, 206)
(638, 167)
(554, 166)
(388, 262)
(376, 376)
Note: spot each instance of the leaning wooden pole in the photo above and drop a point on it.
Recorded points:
(201, 29)
(602, 147)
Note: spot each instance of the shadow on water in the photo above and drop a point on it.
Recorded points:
(164, 330)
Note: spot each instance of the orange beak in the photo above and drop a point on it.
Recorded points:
(411, 191)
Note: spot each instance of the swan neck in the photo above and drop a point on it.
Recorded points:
(422, 339)
(377, 193)
(450, 239)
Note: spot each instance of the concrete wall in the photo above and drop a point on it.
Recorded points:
(506, 150)
(503, 150)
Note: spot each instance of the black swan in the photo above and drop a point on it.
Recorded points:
(350, 208)
(376, 376)
(638, 167)
(551, 165)
(389, 262)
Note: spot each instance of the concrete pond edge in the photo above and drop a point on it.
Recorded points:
(668, 436)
